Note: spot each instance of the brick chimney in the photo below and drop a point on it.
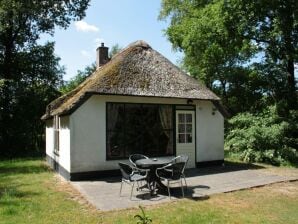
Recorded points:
(102, 55)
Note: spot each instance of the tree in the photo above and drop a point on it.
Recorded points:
(272, 26)
(219, 38)
(29, 73)
(198, 29)
(78, 79)
(114, 50)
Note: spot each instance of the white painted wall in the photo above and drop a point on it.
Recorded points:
(88, 124)
(210, 132)
(64, 143)
(88, 136)
(63, 157)
(50, 138)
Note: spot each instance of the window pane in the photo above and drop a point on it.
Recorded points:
(181, 128)
(140, 128)
(181, 118)
(115, 117)
(188, 128)
(181, 138)
(188, 138)
(188, 118)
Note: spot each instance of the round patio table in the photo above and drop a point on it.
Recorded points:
(152, 165)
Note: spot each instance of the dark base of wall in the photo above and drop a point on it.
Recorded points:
(59, 169)
(90, 175)
(210, 163)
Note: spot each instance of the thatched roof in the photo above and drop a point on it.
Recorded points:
(138, 70)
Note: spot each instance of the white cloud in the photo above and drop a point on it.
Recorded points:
(86, 54)
(85, 27)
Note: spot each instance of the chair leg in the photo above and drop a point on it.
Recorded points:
(185, 182)
(168, 185)
(132, 189)
(182, 187)
(121, 187)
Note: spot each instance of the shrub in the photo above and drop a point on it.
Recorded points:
(264, 137)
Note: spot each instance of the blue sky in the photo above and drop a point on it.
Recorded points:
(111, 22)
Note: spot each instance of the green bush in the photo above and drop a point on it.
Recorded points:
(264, 137)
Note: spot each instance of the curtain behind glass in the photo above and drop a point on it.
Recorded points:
(165, 115)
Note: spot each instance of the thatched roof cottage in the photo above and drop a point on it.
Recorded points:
(137, 102)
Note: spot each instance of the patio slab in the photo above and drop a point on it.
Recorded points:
(104, 193)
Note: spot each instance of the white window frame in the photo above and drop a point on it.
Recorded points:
(56, 126)
(185, 123)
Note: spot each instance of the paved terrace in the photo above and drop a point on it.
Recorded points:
(202, 182)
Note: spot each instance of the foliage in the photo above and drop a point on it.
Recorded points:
(78, 79)
(29, 73)
(114, 50)
(221, 39)
(264, 137)
(29, 95)
(272, 27)
(143, 218)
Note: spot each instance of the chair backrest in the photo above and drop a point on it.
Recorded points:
(172, 170)
(177, 169)
(176, 159)
(181, 158)
(126, 170)
(134, 157)
(184, 158)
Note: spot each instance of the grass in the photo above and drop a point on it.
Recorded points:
(31, 193)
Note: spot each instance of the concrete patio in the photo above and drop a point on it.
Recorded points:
(202, 182)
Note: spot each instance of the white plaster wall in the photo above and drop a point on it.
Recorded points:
(88, 123)
(63, 156)
(209, 132)
(64, 143)
(49, 138)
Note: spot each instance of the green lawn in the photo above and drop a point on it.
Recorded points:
(30, 193)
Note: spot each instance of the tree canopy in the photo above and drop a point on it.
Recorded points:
(238, 47)
(29, 73)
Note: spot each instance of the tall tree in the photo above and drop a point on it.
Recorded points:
(219, 38)
(78, 79)
(198, 29)
(28, 71)
(273, 27)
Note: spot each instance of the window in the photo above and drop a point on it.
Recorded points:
(56, 133)
(185, 128)
(139, 128)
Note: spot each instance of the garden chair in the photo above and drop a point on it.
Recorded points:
(181, 158)
(134, 157)
(131, 175)
(172, 173)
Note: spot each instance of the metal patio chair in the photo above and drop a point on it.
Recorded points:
(182, 158)
(171, 173)
(132, 175)
(134, 157)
